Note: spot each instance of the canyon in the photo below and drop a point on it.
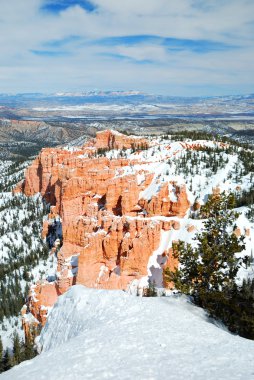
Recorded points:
(115, 211)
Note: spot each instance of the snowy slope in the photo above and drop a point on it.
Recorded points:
(21, 246)
(98, 334)
(201, 165)
(101, 334)
(176, 161)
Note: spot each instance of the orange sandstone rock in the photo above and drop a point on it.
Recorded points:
(115, 140)
(191, 228)
(237, 232)
(247, 232)
(108, 232)
(42, 296)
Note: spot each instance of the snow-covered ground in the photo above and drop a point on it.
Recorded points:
(174, 161)
(24, 259)
(95, 334)
(99, 334)
(201, 166)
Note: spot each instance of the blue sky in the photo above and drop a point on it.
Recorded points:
(187, 47)
(57, 6)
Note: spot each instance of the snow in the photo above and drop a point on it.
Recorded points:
(151, 190)
(18, 222)
(96, 107)
(171, 190)
(244, 224)
(140, 178)
(162, 159)
(7, 329)
(30, 318)
(99, 334)
(116, 335)
(156, 260)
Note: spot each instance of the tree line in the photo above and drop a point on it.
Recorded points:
(20, 351)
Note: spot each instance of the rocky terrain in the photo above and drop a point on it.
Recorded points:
(29, 122)
(119, 202)
(20, 139)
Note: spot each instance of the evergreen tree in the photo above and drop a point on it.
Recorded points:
(212, 265)
(216, 203)
(234, 307)
(208, 272)
(1, 355)
(28, 349)
(151, 290)
(17, 349)
(7, 363)
(231, 201)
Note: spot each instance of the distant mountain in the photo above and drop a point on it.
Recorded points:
(100, 93)
(28, 100)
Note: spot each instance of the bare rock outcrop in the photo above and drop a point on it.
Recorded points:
(109, 230)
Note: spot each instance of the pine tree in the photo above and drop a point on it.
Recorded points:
(7, 363)
(151, 290)
(17, 352)
(28, 349)
(231, 201)
(1, 355)
(212, 265)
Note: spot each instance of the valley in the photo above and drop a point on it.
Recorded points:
(29, 122)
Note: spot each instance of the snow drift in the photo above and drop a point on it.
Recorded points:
(102, 334)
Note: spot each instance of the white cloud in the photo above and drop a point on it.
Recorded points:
(24, 28)
(143, 53)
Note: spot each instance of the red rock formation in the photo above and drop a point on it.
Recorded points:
(30, 324)
(161, 203)
(41, 298)
(191, 228)
(237, 232)
(115, 140)
(247, 232)
(108, 232)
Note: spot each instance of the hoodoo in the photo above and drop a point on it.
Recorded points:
(114, 209)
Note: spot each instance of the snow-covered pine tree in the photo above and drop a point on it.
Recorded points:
(150, 290)
(212, 265)
(17, 349)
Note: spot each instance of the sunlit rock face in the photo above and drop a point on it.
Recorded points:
(108, 213)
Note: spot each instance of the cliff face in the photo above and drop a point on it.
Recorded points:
(113, 211)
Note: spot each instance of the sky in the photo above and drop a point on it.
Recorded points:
(172, 47)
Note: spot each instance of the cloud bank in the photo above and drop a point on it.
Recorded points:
(187, 47)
